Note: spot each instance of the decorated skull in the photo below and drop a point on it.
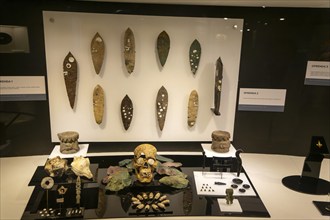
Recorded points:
(145, 162)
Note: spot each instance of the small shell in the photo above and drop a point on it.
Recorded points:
(162, 198)
(157, 195)
(144, 195)
(136, 202)
(166, 202)
(151, 195)
(147, 208)
(139, 197)
(155, 207)
(161, 205)
(134, 199)
(140, 206)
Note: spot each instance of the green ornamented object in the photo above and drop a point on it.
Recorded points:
(119, 180)
(177, 182)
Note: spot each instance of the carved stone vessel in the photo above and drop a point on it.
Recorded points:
(68, 142)
(220, 141)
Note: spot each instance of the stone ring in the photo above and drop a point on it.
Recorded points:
(47, 182)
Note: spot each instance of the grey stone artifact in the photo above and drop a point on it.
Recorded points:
(220, 141)
(217, 86)
(97, 51)
(68, 142)
(163, 47)
(98, 103)
(70, 69)
(192, 108)
(129, 50)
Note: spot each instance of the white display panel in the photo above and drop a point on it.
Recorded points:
(71, 31)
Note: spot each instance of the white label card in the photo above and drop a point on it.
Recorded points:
(318, 73)
(22, 88)
(255, 99)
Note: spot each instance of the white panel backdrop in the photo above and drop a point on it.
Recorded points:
(71, 31)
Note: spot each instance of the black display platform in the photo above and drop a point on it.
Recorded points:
(305, 184)
(323, 207)
(99, 203)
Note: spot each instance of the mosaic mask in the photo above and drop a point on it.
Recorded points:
(145, 162)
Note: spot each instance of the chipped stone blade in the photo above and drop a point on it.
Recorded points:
(163, 47)
(97, 51)
(195, 52)
(126, 110)
(98, 103)
(217, 86)
(192, 108)
(129, 50)
(70, 69)
(161, 106)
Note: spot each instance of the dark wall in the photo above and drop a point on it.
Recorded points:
(274, 55)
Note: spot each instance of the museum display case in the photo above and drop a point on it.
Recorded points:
(164, 110)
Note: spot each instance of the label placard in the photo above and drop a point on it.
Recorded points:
(318, 73)
(22, 88)
(268, 100)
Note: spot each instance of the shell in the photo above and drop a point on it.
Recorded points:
(157, 195)
(139, 197)
(166, 202)
(155, 207)
(144, 195)
(80, 166)
(134, 199)
(151, 195)
(147, 208)
(138, 202)
(162, 198)
(161, 205)
(140, 206)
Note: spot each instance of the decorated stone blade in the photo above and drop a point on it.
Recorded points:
(126, 110)
(194, 55)
(97, 50)
(129, 50)
(217, 86)
(163, 47)
(192, 108)
(70, 68)
(98, 103)
(161, 106)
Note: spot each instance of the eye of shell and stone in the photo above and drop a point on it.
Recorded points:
(151, 161)
(71, 59)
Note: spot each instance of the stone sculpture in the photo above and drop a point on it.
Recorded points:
(145, 162)
(229, 196)
(68, 142)
(163, 47)
(192, 108)
(220, 141)
(195, 52)
(56, 167)
(97, 51)
(70, 69)
(98, 104)
(129, 50)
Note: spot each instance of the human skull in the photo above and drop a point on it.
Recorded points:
(145, 162)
